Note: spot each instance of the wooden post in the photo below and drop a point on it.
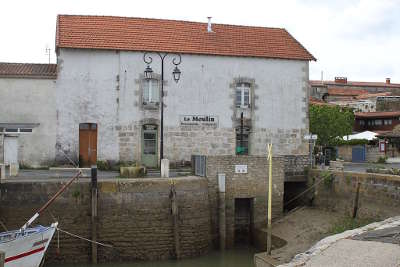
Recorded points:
(94, 212)
(2, 258)
(355, 204)
(222, 211)
(269, 228)
(175, 217)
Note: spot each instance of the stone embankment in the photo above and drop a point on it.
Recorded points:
(134, 216)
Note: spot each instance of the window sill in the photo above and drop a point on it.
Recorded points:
(154, 105)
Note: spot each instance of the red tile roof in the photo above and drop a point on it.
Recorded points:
(354, 84)
(315, 101)
(27, 70)
(346, 91)
(382, 114)
(140, 34)
(371, 95)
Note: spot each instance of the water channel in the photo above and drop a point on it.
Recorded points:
(238, 257)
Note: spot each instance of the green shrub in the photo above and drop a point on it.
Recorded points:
(349, 223)
(353, 142)
(382, 159)
(328, 178)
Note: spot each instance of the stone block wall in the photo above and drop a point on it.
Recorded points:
(134, 215)
(184, 141)
(295, 165)
(388, 104)
(372, 153)
(285, 142)
(253, 184)
(129, 142)
(379, 195)
(345, 152)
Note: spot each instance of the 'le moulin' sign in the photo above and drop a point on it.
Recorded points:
(207, 120)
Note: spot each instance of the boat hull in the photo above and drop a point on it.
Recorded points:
(28, 250)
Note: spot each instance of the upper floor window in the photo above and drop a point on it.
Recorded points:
(243, 95)
(387, 122)
(151, 91)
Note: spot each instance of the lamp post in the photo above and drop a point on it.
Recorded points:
(176, 73)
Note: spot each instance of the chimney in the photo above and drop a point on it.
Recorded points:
(209, 28)
(388, 80)
(341, 80)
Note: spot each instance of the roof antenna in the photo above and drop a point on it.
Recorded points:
(48, 52)
(209, 28)
(322, 75)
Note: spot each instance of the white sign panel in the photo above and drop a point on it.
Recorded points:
(310, 137)
(240, 168)
(209, 120)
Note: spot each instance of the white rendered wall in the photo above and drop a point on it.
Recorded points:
(89, 90)
(25, 100)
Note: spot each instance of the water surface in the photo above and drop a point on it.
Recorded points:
(238, 257)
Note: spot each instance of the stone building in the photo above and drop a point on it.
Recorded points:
(240, 88)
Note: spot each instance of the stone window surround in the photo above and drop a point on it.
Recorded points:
(253, 86)
(248, 120)
(140, 82)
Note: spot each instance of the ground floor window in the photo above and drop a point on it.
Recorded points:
(242, 140)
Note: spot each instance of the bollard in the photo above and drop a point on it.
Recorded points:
(165, 168)
(2, 258)
(94, 212)
(222, 211)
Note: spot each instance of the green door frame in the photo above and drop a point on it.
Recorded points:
(149, 142)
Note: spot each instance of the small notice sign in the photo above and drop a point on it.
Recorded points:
(240, 168)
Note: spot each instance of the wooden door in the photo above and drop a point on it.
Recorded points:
(87, 144)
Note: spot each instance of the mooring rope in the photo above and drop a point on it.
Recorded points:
(80, 237)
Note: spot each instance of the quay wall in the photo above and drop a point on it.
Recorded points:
(134, 216)
(253, 185)
(379, 194)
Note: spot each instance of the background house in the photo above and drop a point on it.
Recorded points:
(28, 119)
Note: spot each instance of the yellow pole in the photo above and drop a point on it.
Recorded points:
(269, 200)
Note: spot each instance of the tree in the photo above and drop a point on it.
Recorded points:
(330, 122)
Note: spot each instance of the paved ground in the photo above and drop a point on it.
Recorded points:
(347, 252)
(55, 175)
(342, 250)
(362, 167)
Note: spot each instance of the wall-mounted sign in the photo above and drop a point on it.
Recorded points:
(240, 168)
(310, 137)
(209, 120)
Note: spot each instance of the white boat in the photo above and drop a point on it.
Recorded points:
(26, 248)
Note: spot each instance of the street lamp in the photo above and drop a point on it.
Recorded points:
(176, 73)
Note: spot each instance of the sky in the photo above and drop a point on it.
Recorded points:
(357, 39)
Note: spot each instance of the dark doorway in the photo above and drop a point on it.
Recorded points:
(243, 221)
(87, 144)
(294, 195)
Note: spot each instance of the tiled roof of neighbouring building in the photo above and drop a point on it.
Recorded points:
(382, 114)
(354, 84)
(346, 91)
(28, 70)
(141, 34)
